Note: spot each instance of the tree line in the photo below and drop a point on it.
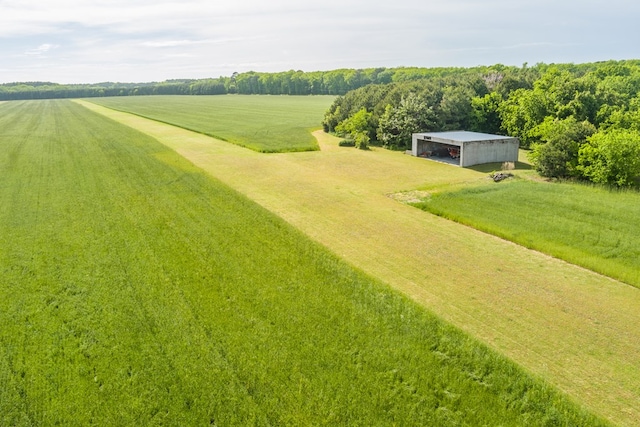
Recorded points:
(334, 82)
(48, 90)
(579, 121)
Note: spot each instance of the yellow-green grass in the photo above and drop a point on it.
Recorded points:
(262, 123)
(589, 226)
(137, 290)
(561, 322)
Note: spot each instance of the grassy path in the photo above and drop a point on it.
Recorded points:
(568, 325)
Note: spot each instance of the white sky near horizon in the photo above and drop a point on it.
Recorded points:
(74, 41)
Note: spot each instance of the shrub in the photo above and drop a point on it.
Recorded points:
(611, 158)
(347, 143)
(361, 140)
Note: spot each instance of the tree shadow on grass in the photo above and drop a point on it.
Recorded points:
(492, 167)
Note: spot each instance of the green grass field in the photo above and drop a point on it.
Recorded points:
(563, 323)
(136, 290)
(261, 123)
(589, 226)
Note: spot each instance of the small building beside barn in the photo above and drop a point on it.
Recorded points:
(464, 148)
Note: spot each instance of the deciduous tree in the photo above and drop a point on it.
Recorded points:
(357, 128)
(611, 157)
(557, 156)
(397, 124)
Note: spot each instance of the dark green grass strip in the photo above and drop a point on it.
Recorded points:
(589, 226)
(262, 123)
(136, 290)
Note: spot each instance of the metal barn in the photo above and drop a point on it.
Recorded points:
(462, 148)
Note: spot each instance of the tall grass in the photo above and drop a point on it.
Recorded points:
(593, 227)
(261, 123)
(135, 290)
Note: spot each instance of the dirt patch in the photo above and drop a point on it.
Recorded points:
(415, 196)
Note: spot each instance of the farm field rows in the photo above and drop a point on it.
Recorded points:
(591, 227)
(137, 290)
(262, 123)
(563, 323)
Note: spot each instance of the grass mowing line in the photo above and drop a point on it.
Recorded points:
(151, 294)
(172, 124)
(565, 324)
(553, 219)
(262, 123)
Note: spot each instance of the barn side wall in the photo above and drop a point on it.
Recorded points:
(498, 150)
(414, 145)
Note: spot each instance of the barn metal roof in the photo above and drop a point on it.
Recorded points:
(462, 136)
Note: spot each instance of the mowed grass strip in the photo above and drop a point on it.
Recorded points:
(261, 123)
(562, 322)
(135, 290)
(589, 226)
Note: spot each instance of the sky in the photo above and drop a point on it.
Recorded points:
(74, 41)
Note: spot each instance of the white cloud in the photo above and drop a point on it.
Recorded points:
(40, 50)
(180, 43)
(168, 43)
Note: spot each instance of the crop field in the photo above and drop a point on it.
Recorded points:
(560, 322)
(137, 290)
(585, 225)
(262, 123)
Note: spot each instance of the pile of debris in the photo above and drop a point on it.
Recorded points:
(500, 176)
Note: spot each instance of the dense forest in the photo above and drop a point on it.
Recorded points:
(580, 121)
